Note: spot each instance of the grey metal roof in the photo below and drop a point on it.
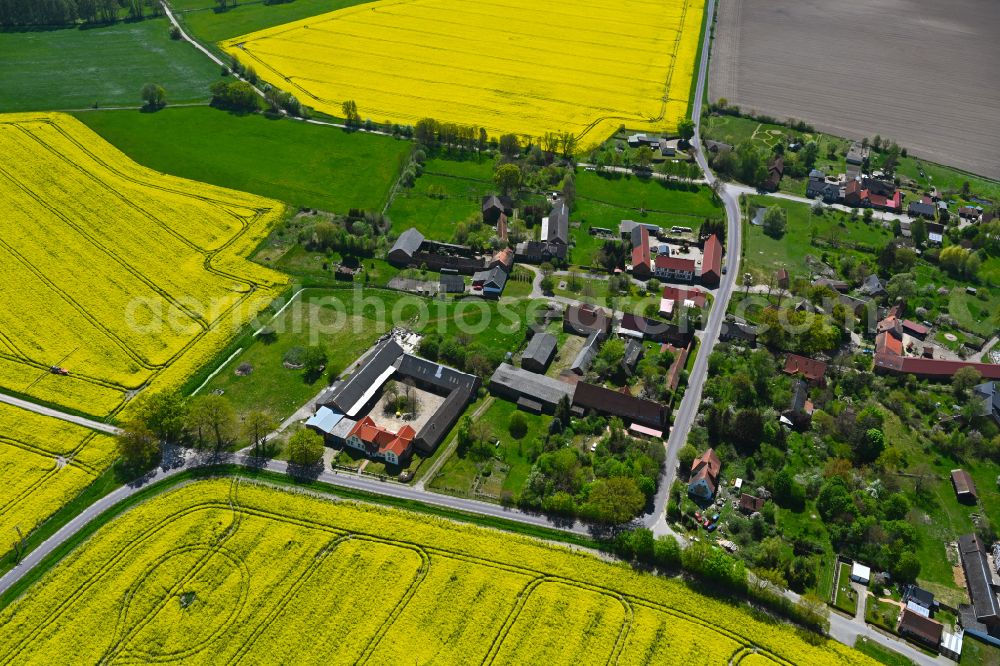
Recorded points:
(977, 577)
(583, 360)
(540, 349)
(433, 373)
(408, 242)
(352, 389)
(558, 224)
(545, 390)
(452, 284)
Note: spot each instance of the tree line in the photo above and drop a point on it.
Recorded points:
(19, 13)
(208, 423)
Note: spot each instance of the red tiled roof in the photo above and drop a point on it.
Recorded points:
(710, 460)
(932, 367)
(807, 367)
(680, 295)
(919, 329)
(675, 263)
(370, 433)
(886, 343)
(712, 260)
(640, 255)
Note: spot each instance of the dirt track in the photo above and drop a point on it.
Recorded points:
(925, 73)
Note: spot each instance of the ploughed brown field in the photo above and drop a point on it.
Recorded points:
(925, 73)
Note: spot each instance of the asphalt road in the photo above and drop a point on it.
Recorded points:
(193, 460)
(688, 409)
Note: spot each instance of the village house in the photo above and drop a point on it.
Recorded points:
(990, 394)
(642, 268)
(377, 442)
(581, 364)
(584, 319)
(811, 369)
(704, 479)
(711, 262)
(675, 298)
(775, 170)
(555, 227)
(674, 269)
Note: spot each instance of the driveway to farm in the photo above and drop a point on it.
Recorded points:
(688, 409)
(46, 411)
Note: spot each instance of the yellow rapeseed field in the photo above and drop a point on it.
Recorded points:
(229, 571)
(44, 463)
(124, 276)
(517, 66)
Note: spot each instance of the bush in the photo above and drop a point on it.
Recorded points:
(518, 425)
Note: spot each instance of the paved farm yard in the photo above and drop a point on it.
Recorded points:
(921, 72)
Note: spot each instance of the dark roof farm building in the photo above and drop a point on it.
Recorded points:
(539, 353)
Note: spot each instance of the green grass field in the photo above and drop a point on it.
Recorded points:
(280, 390)
(306, 165)
(210, 25)
(879, 653)
(459, 472)
(75, 68)
(464, 184)
(765, 254)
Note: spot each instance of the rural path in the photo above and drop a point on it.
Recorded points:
(688, 409)
(46, 411)
(877, 214)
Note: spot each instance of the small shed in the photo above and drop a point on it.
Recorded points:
(965, 487)
(860, 573)
(539, 353)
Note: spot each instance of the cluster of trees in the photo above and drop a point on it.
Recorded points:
(154, 97)
(800, 332)
(870, 524)
(359, 234)
(433, 134)
(207, 422)
(62, 12)
(238, 96)
(959, 261)
(279, 100)
(459, 351)
(610, 486)
(775, 221)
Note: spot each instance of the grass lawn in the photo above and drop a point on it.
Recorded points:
(464, 184)
(879, 653)
(212, 26)
(595, 290)
(275, 388)
(632, 192)
(764, 254)
(975, 653)
(459, 472)
(882, 614)
(306, 165)
(846, 599)
(75, 68)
